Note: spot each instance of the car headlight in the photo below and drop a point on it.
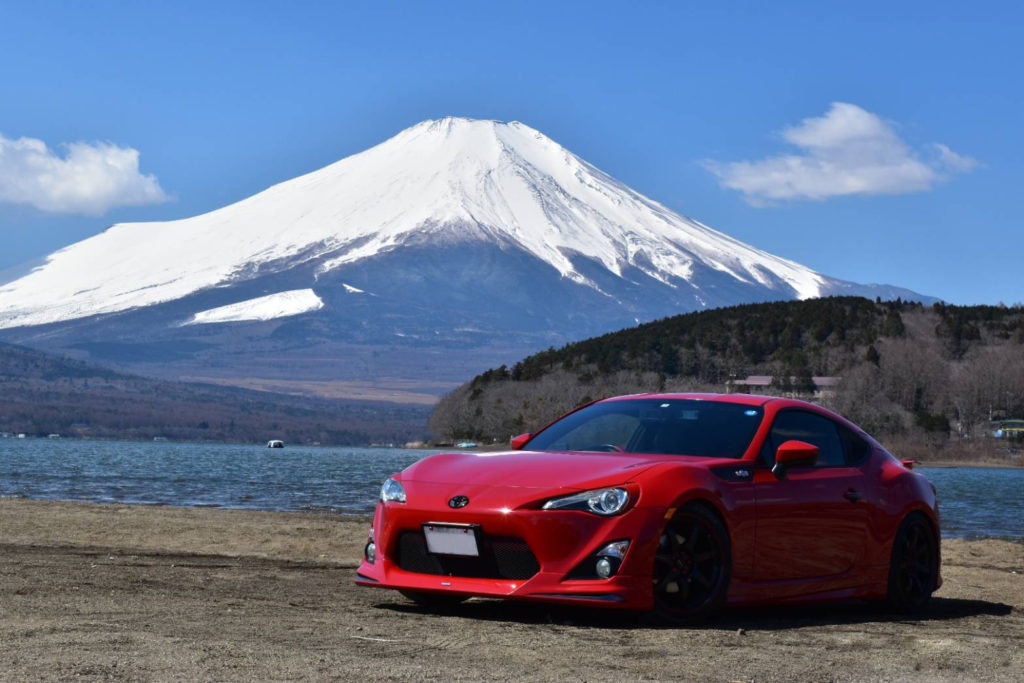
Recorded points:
(392, 491)
(600, 501)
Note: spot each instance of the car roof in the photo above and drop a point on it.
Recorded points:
(741, 399)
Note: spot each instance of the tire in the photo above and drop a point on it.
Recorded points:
(914, 567)
(434, 600)
(692, 566)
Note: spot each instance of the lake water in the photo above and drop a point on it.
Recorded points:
(974, 502)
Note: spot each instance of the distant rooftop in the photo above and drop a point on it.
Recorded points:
(820, 383)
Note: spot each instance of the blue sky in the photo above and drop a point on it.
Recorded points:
(816, 131)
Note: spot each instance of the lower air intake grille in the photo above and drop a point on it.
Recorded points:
(500, 558)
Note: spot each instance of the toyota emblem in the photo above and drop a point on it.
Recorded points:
(458, 502)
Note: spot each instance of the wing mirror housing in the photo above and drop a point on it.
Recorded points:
(519, 441)
(794, 454)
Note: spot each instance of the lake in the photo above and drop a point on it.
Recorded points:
(974, 502)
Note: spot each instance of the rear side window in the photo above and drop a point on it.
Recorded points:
(856, 448)
(810, 428)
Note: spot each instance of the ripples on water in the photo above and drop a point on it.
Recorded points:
(344, 480)
(974, 502)
(978, 502)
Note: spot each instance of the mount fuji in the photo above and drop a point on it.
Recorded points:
(456, 244)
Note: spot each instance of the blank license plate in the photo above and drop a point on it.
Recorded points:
(451, 540)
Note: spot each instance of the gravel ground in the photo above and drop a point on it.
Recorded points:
(110, 592)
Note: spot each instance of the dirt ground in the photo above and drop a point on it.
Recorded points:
(113, 592)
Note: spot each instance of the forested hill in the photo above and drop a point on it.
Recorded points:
(905, 368)
(43, 394)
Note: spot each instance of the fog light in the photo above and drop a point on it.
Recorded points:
(371, 552)
(604, 567)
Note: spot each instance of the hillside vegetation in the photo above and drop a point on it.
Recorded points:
(914, 375)
(42, 394)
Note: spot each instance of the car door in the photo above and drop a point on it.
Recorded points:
(813, 521)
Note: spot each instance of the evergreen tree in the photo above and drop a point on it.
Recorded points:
(872, 355)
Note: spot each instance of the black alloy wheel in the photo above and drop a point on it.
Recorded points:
(914, 567)
(692, 566)
(434, 600)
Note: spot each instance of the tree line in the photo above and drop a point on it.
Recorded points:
(908, 371)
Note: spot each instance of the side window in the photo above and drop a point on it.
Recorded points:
(856, 448)
(810, 428)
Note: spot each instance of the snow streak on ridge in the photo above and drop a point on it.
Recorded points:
(268, 307)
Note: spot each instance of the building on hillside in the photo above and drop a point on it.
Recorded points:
(752, 384)
(824, 387)
(1008, 429)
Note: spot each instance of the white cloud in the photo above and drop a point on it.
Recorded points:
(89, 178)
(848, 151)
(953, 161)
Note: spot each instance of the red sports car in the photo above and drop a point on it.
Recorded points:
(678, 503)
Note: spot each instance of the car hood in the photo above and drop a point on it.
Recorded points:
(531, 469)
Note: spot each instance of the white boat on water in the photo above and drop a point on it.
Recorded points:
(275, 443)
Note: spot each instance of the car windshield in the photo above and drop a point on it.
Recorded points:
(665, 426)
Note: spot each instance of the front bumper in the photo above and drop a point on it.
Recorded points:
(559, 540)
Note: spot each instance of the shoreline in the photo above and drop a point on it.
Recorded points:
(947, 464)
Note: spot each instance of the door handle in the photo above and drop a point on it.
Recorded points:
(852, 496)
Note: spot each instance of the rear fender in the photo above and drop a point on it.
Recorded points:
(907, 492)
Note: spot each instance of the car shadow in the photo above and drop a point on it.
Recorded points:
(760, 618)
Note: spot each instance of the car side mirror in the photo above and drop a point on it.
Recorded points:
(794, 453)
(519, 441)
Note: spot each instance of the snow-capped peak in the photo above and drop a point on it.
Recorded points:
(442, 181)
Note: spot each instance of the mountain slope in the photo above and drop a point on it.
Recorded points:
(42, 394)
(439, 182)
(454, 233)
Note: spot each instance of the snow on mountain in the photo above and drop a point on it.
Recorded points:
(446, 182)
(270, 307)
